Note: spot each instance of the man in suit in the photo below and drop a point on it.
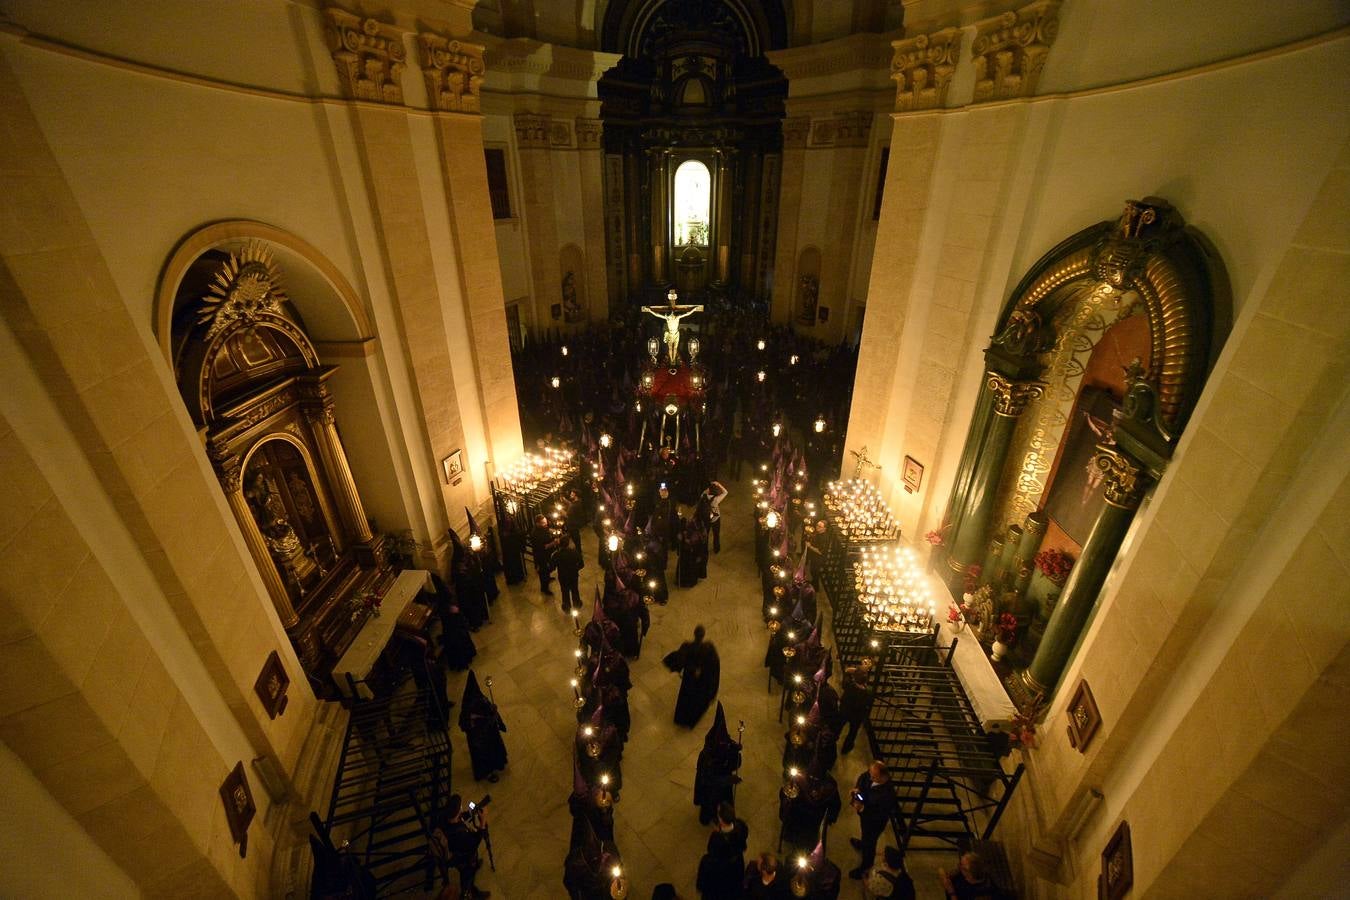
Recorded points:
(567, 560)
(542, 545)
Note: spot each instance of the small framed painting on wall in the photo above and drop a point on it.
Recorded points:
(912, 474)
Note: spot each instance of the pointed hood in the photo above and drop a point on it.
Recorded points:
(783, 547)
(579, 786)
(598, 717)
(817, 858)
(799, 576)
(823, 672)
(718, 737)
(598, 613)
(473, 525)
(798, 614)
(472, 703)
(814, 716)
(813, 639)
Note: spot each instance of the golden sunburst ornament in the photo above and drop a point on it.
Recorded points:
(246, 285)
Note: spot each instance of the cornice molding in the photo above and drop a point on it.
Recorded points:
(369, 55)
(1009, 51)
(857, 52)
(922, 69)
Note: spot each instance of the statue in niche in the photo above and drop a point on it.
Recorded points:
(284, 544)
(810, 293)
(572, 309)
(301, 496)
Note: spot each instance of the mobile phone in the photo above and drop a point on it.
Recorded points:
(472, 806)
(857, 795)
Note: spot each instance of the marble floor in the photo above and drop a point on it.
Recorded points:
(527, 650)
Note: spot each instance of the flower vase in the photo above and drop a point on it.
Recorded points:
(1000, 650)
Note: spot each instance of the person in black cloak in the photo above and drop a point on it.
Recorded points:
(483, 559)
(822, 878)
(723, 864)
(592, 809)
(457, 646)
(634, 622)
(466, 574)
(599, 630)
(482, 727)
(715, 777)
(816, 806)
(701, 675)
(826, 696)
(608, 689)
(787, 635)
(599, 753)
(693, 553)
(584, 873)
(513, 551)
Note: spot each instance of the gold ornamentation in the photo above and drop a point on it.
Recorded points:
(1123, 479)
(246, 286)
(1011, 397)
(922, 69)
(1009, 50)
(227, 466)
(454, 72)
(370, 56)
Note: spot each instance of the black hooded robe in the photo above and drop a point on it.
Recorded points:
(715, 777)
(700, 678)
(482, 727)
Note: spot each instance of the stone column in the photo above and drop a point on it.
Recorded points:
(322, 424)
(725, 198)
(1009, 398)
(229, 469)
(1123, 484)
(659, 216)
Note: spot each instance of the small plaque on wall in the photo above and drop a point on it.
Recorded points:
(453, 466)
(271, 686)
(239, 806)
(1084, 719)
(1117, 875)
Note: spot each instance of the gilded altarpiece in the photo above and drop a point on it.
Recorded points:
(254, 385)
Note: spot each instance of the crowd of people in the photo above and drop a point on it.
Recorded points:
(646, 497)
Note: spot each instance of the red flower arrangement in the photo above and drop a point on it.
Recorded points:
(972, 578)
(1007, 628)
(1023, 730)
(1054, 564)
(936, 537)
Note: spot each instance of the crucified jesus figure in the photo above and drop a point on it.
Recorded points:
(671, 315)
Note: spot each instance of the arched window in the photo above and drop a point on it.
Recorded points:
(693, 200)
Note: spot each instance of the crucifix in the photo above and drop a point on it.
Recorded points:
(671, 314)
(863, 462)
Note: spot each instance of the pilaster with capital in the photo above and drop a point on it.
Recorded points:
(1009, 50)
(453, 71)
(370, 56)
(922, 69)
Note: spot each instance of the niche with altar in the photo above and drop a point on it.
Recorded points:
(259, 395)
(1093, 370)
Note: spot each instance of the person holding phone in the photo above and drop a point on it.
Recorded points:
(873, 799)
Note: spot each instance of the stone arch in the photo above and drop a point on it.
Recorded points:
(305, 265)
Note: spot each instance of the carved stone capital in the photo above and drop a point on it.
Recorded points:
(1009, 50)
(1123, 479)
(1012, 397)
(588, 133)
(922, 69)
(795, 130)
(454, 72)
(370, 56)
(532, 131)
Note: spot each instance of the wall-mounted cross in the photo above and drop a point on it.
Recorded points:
(863, 462)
